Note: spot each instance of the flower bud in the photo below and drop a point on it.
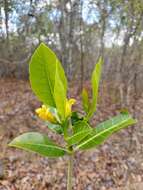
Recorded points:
(69, 104)
(45, 114)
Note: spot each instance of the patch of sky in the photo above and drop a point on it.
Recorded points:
(90, 12)
(54, 14)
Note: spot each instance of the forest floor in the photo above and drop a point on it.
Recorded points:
(117, 164)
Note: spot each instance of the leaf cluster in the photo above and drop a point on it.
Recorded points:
(49, 83)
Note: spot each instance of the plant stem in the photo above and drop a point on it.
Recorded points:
(70, 171)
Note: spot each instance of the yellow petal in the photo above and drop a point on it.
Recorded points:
(44, 114)
(44, 108)
(38, 110)
(69, 104)
(72, 101)
(50, 117)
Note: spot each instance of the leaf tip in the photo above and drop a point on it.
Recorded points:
(10, 144)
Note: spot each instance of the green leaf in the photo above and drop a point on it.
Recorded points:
(59, 94)
(80, 126)
(85, 100)
(105, 129)
(75, 117)
(43, 66)
(76, 138)
(55, 127)
(38, 143)
(95, 84)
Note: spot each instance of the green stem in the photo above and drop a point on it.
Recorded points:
(70, 172)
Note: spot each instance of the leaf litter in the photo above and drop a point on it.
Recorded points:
(117, 164)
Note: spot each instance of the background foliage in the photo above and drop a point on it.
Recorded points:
(79, 31)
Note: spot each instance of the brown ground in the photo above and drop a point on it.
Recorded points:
(118, 164)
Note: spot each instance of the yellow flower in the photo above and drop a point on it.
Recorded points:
(45, 114)
(69, 104)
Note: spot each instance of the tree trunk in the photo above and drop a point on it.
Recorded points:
(6, 20)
